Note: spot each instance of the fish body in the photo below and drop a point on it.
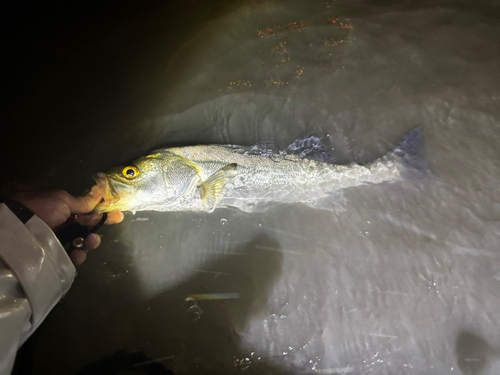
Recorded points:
(203, 178)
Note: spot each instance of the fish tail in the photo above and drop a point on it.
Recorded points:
(410, 151)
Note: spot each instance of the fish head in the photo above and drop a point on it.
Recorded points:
(132, 187)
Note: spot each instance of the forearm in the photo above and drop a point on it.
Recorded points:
(35, 273)
(15, 314)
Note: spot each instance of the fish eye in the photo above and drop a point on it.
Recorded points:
(130, 172)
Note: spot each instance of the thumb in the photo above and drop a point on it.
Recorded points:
(84, 203)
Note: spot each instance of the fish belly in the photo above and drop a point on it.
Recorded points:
(284, 178)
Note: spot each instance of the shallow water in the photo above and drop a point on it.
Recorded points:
(398, 278)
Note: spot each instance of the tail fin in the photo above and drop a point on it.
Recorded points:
(411, 151)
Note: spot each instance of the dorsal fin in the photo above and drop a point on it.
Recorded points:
(310, 146)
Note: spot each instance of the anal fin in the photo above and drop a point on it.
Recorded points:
(213, 190)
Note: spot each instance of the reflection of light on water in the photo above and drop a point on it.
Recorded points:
(244, 363)
(338, 370)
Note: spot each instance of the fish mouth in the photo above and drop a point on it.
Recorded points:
(112, 192)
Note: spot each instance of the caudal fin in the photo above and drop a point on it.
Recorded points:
(411, 151)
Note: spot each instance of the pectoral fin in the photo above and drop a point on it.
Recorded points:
(213, 190)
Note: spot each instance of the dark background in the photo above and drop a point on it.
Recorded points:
(74, 71)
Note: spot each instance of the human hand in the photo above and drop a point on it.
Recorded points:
(56, 207)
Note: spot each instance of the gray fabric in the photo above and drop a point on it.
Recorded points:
(35, 272)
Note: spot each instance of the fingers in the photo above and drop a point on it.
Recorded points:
(78, 257)
(88, 220)
(92, 242)
(91, 220)
(54, 207)
(84, 203)
(114, 217)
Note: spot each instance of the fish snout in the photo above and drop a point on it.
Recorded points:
(108, 192)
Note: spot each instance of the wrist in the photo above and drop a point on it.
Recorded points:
(18, 209)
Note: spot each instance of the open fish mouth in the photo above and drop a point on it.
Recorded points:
(109, 191)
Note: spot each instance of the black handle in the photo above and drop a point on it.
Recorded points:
(73, 235)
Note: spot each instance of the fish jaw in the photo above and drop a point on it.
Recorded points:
(116, 195)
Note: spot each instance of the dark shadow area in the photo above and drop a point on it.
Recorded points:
(195, 327)
(474, 354)
(83, 72)
(211, 332)
(124, 361)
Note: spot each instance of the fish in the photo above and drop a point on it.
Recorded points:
(208, 177)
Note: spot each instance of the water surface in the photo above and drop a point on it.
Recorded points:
(400, 278)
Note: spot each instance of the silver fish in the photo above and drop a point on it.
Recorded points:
(203, 178)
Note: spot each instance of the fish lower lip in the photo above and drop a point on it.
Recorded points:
(109, 193)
